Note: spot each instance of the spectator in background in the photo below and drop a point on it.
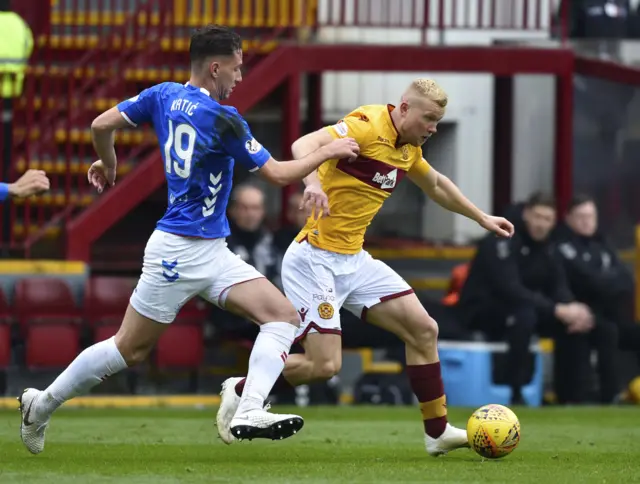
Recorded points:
(252, 242)
(517, 287)
(595, 273)
(249, 237)
(296, 219)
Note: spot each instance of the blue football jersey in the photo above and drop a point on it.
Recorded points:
(199, 140)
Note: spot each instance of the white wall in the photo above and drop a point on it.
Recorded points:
(533, 147)
(469, 151)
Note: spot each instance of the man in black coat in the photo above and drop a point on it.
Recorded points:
(252, 242)
(250, 239)
(517, 288)
(595, 273)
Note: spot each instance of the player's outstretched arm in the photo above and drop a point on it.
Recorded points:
(103, 129)
(446, 194)
(286, 172)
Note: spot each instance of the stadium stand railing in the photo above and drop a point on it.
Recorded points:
(90, 55)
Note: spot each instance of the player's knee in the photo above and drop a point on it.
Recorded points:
(326, 369)
(424, 332)
(289, 315)
(280, 311)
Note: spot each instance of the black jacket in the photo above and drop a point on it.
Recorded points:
(257, 249)
(513, 272)
(594, 270)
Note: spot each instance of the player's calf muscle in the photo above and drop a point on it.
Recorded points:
(323, 370)
(302, 369)
(321, 361)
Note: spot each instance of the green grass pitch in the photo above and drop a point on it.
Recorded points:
(337, 445)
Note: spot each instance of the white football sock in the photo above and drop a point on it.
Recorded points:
(266, 363)
(88, 369)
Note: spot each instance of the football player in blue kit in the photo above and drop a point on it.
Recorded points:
(187, 255)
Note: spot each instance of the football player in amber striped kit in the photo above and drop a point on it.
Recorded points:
(326, 267)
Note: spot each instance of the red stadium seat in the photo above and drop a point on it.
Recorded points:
(51, 343)
(5, 309)
(181, 345)
(44, 297)
(106, 328)
(106, 297)
(196, 310)
(5, 345)
(5, 341)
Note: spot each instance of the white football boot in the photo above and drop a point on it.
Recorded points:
(229, 401)
(452, 438)
(260, 424)
(32, 431)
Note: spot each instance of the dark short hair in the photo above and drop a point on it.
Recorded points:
(213, 40)
(540, 199)
(579, 199)
(243, 187)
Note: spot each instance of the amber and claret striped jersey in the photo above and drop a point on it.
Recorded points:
(357, 189)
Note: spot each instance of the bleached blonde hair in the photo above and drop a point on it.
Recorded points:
(429, 89)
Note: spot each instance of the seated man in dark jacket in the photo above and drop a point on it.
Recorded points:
(517, 287)
(250, 239)
(595, 273)
(252, 242)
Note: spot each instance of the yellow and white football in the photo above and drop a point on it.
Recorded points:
(493, 431)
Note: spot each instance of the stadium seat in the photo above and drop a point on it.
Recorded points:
(37, 298)
(106, 328)
(51, 343)
(106, 297)
(181, 346)
(5, 355)
(5, 309)
(5, 345)
(196, 310)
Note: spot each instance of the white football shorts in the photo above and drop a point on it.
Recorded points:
(178, 268)
(318, 283)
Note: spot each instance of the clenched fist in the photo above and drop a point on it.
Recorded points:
(32, 182)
